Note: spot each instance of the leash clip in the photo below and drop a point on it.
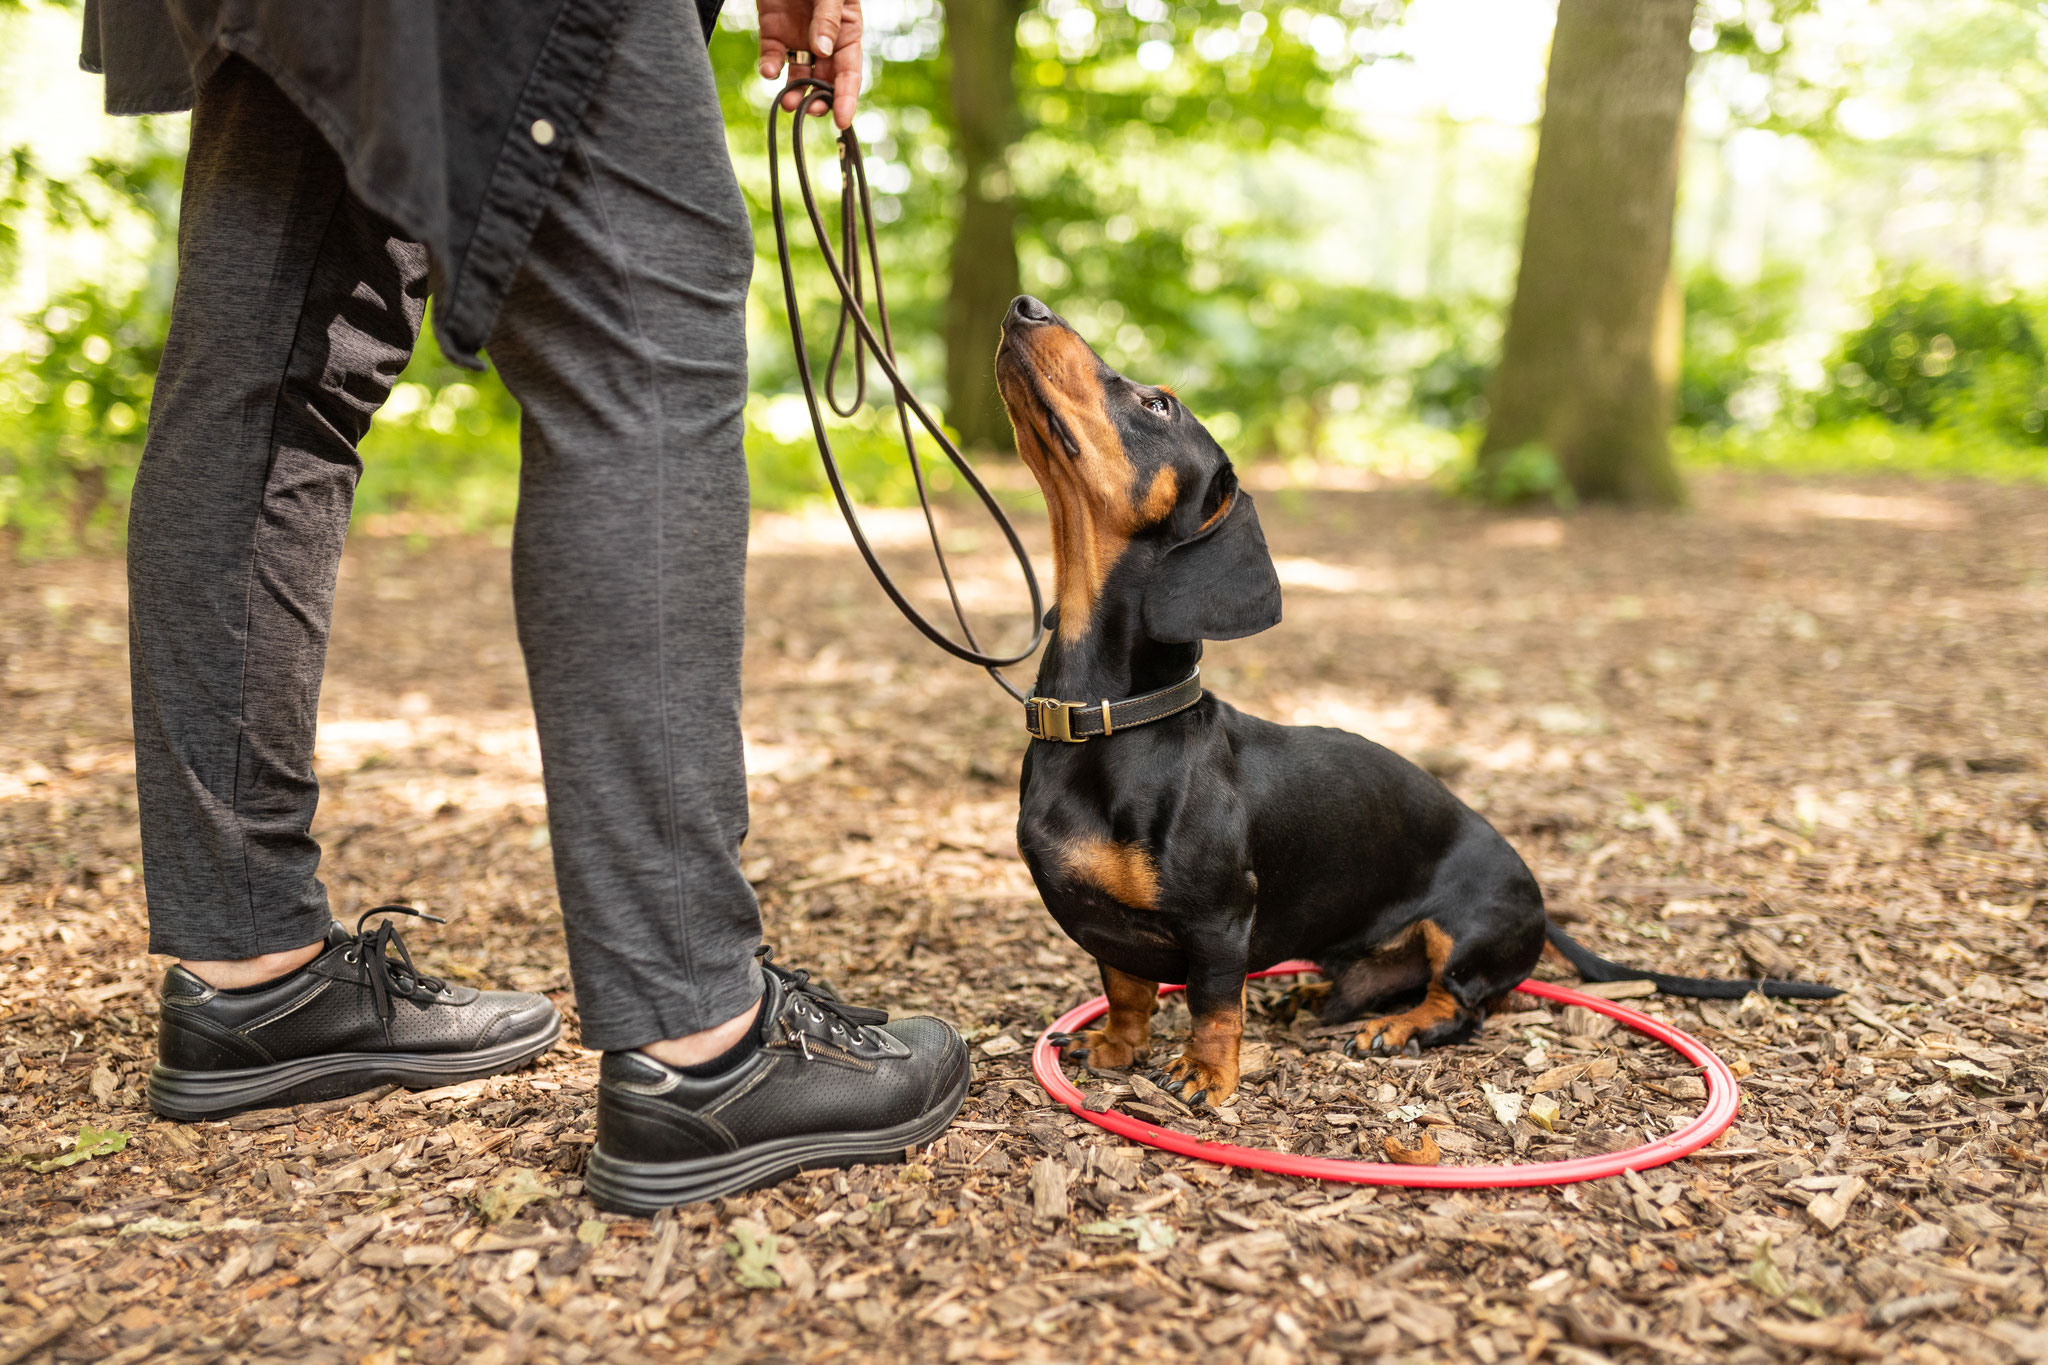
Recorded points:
(1055, 719)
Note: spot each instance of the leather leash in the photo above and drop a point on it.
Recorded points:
(1045, 718)
(857, 219)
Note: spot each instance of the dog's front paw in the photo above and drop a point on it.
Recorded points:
(1102, 1050)
(1196, 1081)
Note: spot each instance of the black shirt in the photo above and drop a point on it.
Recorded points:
(451, 116)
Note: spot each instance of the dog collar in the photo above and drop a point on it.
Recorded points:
(1073, 722)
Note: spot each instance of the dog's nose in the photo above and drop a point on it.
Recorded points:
(1026, 309)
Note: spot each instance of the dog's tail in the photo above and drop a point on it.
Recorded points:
(1594, 967)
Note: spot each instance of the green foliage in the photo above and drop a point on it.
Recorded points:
(72, 408)
(1866, 445)
(1525, 475)
(1154, 214)
(74, 397)
(92, 1142)
(1729, 330)
(1939, 353)
(1449, 389)
(445, 445)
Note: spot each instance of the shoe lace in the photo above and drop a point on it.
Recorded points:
(388, 978)
(815, 1000)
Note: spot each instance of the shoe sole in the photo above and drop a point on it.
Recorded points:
(646, 1187)
(190, 1096)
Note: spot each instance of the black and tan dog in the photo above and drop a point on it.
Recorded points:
(1177, 839)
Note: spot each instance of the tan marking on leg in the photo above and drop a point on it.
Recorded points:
(1125, 872)
(1209, 1063)
(1438, 1005)
(1126, 1033)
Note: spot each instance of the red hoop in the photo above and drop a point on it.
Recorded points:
(1722, 1096)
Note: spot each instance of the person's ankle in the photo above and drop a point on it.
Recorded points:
(242, 973)
(695, 1049)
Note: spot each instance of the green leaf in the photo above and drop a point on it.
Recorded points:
(510, 1192)
(1151, 1233)
(1764, 1276)
(753, 1253)
(91, 1142)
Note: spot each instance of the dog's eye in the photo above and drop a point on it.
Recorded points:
(1159, 405)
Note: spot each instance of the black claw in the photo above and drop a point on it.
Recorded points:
(1351, 1047)
(1079, 1054)
(1379, 1045)
(1060, 1039)
(1197, 1098)
(1414, 1048)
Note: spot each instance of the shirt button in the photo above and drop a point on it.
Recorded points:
(543, 132)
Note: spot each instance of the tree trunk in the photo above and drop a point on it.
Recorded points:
(1589, 363)
(981, 44)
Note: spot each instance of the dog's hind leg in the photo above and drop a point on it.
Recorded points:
(1393, 973)
(1126, 1034)
(1465, 976)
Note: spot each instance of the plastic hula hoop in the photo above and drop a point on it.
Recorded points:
(1722, 1096)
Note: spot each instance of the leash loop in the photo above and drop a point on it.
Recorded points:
(857, 220)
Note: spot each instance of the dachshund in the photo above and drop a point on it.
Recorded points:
(1174, 837)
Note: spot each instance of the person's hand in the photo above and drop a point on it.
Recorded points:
(830, 31)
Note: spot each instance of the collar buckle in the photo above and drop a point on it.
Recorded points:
(1054, 720)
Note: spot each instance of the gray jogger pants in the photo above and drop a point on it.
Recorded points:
(623, 338)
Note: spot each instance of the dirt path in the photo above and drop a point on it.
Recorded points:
(1799, 730)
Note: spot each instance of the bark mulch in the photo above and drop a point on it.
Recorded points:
(1798, 730)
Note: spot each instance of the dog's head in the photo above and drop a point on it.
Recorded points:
(1133, 484)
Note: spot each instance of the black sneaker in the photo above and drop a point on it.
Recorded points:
(351, 1019)
(831, 1085)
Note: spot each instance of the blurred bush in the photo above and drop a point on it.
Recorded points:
(72, 408)
(75, 386)
(1945, 354)
(1732, 330)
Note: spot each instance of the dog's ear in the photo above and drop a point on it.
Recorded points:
(1219, 583)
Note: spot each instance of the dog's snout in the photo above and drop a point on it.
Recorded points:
(1026, 309)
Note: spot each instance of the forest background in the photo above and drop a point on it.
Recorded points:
(1306, 215)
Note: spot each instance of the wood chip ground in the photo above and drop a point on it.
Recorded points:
(1797, 730)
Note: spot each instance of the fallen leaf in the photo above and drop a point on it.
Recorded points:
(1425, 1153)
(590, 1232)
(1763, 1274)
(91, 1142)
(753, 1254)
(1151, 1233)
(1506, 1107)
(510, 1191)
(104, 1084)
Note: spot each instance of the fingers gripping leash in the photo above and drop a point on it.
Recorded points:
(857, 221)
